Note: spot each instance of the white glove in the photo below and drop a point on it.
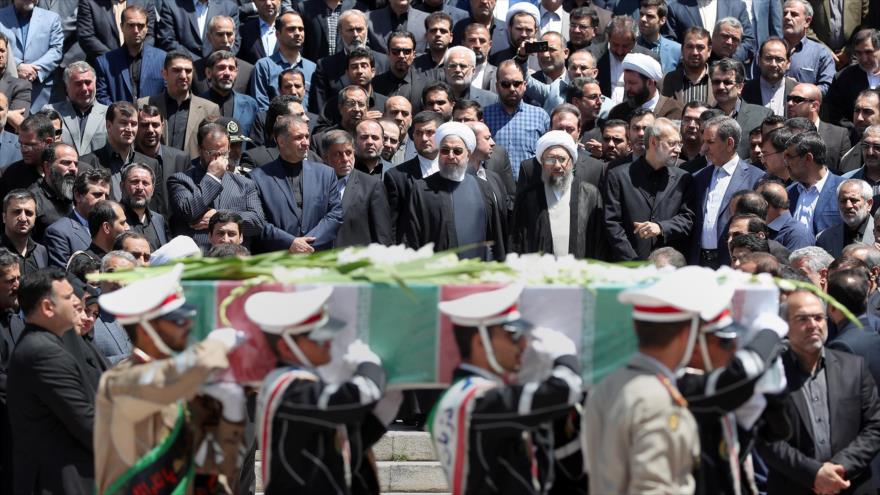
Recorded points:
(231, 396)
(229, 337)
(552, 343)
(358, 352)
(770, 321)
(387, 407)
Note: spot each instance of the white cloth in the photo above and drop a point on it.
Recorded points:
(616, 73)
(267, 37)
(556, 138)
(806, 205)
(559, 212)
(479, 74)
(708, 13)
(873, 80)
(645, 65)
(202, 16)
(652, 103)
(456, 129)
(429, 167)
(773, 96)
(526, 7)
(714, 197)
(551, 21)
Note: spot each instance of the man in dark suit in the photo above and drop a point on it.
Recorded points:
(300, 197)
(51, 405)
(181, 110)
(622, 41)
(386, 20)
(834, 411)
(399, 180)
(360, 68)
(804, 100)
(34, 134)
(183, 25)
(848, 83)
(714, 187)
(19, 213)
(727, 77)
(222, 75)
(113, 69)
(684, 14)
(71, 233)
(11, 328)
(400, 79)
(17, 91)
(849, 287)
(365, 215)
(53, 193)
(854, 200)
(221, 34)
(98, 25)
(866, 114)
(813, 195)
(649, 203)
(772, 87)
(196, 194)
(138, 184)
(317, 15)
(258, 34)
(151, 128)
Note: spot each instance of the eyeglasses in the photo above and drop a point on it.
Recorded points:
(401, 51)
(797, 100)
(725, 82)
(452, 151)
(579, 27)
(765, 155)
(458, 66)
(553, 160)
(509, 84)
(217, 154)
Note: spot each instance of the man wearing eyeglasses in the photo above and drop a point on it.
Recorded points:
(866, 113)
(459, 71)
(856, 78)
(813, 196)
(804, 101)
(834, 411)
(727, 77)
(869, 150)
(772, 87)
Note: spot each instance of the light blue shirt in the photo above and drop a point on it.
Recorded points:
(264, 81)
(714, 197)
(806, 205)
(812, 63)
(202, 16)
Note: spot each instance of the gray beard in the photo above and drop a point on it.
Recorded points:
(853, 224)
(453, 172)
(558, 183)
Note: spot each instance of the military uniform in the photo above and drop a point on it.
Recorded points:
(640, 436)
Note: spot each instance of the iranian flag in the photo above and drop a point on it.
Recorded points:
(415, 342)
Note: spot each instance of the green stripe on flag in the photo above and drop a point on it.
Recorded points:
(203, 295)
(403, 325)
(613, 340)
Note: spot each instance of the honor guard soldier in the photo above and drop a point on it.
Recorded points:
(315, 436)
(152, 435)
(493, 437)
(639, 435)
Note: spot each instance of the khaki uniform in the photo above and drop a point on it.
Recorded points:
(640, 437)
(137, 404)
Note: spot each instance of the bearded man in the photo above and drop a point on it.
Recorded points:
(54, 191)
(855, 198)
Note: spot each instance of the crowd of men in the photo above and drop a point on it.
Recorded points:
(711, 133)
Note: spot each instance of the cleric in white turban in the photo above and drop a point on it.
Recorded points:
(645, 65)
(454, 208)
(641, 76)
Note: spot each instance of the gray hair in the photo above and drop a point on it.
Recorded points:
(654, 130)
(353, 12)
(219, 18)
(76, 68)
(622, 24)
(808, 9)
(667, 256)
(872, 129)
(814, 257)
(105, 261)
(461, 50)
(872, 255)
(727, 128)
(729, 21)
(867, 192)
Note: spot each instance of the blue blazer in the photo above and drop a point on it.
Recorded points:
(745, 176)
(826, 214)
(10, 150)
(686, 13)
(245, 113)
(111, 339)
(321, 213)
(65, 237)
(114, 79)
(768, 20)
(42, 48)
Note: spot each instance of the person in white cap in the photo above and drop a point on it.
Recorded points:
(315, 436)
(561, 213)
(151, 435)
(489, 434)
(453, 208)
(641, 76)
(523, 20)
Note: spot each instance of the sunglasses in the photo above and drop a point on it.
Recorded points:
(452, 151)
(797, 100)
(509, 84)
(401, 51)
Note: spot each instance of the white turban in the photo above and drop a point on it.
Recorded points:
(557, 138)
(459, 130)
(645, 65)
(523, 7)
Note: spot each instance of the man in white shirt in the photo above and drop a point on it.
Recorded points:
(553, 17)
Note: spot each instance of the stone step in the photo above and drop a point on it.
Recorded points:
(412, 476)
(405, 446)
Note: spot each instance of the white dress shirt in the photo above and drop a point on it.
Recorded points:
(773, 96)
(873, 80)
(429, 167)
(551, 21)
(616, 73)
(652, 103)
(202, 16)
(714, 197)
(267, 37)
(807, 201)
(479, 74)
(708, 13)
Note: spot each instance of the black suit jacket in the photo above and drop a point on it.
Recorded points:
(365, 215)
(242, 83)
(838, 104)
(329, 78)
(17, 91)
(751, 92)
(251, 48)
(749, 117)
(398, 186)
(855, 428)
(837, 143)
(52, 413)
(177, 28)
(171, 161)
(314, 15)
(96, 28)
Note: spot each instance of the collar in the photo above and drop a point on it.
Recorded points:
(428, 165)
(652, 103)
(819, 185)
(80, 218)
(648, 43)
(772, 86)
(819, 366)
(660, 367)
(7, 243)
(817, 122)
(542, 11)
(265, 26)
(219, 97)
(476, 370)
(730, 166)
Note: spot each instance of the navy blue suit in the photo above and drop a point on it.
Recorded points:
(65, 237)
(177, 28)
(321, 213)
(745, 176)
(686, 13)
(113, 79)
(826, 213)
(245, 110)
(10, 149)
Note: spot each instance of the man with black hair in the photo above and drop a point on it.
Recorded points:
(437, 97)
(773, 146)
(226, 86)
(744, 244)
(749, 223)
(360, 69)
(53, 193)
(51, 406)
(35, 133)
(11, 327)
(692, 136)
(866, 113)
(438, 38)
(106, 222)
(782, 227)
(148, 141)
(135, 244)
(850, 288)
(813, 196)
(615, 140)
(19, 215)
(400, 78)
(805, 100)
(727, 77)
(138, 184)
(225, 228)
(71, 233)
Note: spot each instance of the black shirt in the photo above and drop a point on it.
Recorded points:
(134, 69)
(175, 120)
(850, 236)
(82, 116)
(293, 172)
(27, 263)
(360, 165)
(147, 227)
(398, 22)
(226, 103)
(19, 175)
(50, 207)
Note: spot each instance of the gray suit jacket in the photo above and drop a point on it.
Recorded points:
(111, 339)
(10, 150)
(831, 239)
(94, 135)
(379, 24)
(43, 48)
(489, 77)
(65, 237)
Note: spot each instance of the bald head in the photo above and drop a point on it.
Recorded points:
(804, 101)
(485, 143)
(399, 109)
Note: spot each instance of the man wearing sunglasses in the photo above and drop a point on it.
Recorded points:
(804, 101)
(866, 113)
(727, 78)
(316, 436)
(485, 427)
(146, 403)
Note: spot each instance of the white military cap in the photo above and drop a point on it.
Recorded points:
(526, 7)
(459, 130)
(679, 295)
(149, 299)
(294, 313)
(557, 138)
(645, 65)
(723, 326)
(179, 247)
(493, 307)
